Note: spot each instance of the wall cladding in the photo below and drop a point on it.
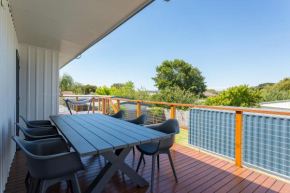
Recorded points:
(8, 46)
(39, 72)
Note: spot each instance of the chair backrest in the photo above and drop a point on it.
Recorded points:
(26, 121)
(41, 153)
(79, 102)
(37, 148)
(141, 120)
(119, 115)
(170, 126)
(36, 123)
(31, 133)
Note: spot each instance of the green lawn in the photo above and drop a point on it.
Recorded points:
(182, 137)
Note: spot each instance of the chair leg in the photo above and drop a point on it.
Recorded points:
(172, 166)
(75, 184)
(144, 160)
(43, 187)
(152, 173)
(139, 163)
(27, 177)
(30, 190)
(158, 162)
(133, 150)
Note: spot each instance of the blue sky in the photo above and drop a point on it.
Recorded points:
(232, 42)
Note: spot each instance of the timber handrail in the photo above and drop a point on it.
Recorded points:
(241, 109)
(107, 100)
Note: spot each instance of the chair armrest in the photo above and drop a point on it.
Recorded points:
(154, 127)
(32, 137)
(50, 146)
(40, 123)
(41, 131)
(54, 166)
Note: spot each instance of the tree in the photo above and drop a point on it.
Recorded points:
(175, 95)
(274, 94)
(66, 82)
(180, 74)
(283, 85)
(103, 91)
(239, 96)
(263, 85)
(127, 90)
(117, 85)
(88, 89)
(78, 88)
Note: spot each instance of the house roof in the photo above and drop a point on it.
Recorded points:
(70, 26)
(209, 94)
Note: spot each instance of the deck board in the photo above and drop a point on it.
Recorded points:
(196, 171)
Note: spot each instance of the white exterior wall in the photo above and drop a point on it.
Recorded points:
(8, 46)
(39, 74)
(278, 105)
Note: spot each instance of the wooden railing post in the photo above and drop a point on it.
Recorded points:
(238, 142)
(99, 107)
(118, 105)
(108, 107)
(103, 106)
(138, 109)
(93, 105)
(172, 112)
(77, 98)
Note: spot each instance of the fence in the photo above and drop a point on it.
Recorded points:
(265, 138)
(226, 131)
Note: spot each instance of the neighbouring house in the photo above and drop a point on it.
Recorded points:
(67, 93)
(209, 94)
(276, 105)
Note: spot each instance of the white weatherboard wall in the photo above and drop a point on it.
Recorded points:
(8, 46)
(39, 74)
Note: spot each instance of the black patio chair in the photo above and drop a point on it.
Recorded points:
(36, 123)
(32, 134)
(119, 115)
(141, 120)
(48, 163)
(154, 149)
(78, 103)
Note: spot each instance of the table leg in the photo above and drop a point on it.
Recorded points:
(115, 162)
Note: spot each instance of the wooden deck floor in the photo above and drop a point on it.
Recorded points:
(197, 172)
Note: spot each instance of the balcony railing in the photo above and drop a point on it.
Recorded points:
(250, 137)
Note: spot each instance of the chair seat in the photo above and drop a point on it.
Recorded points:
(148, 148)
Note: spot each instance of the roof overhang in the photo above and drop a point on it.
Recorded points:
(70, 26)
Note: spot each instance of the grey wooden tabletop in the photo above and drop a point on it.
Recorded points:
(96, 133)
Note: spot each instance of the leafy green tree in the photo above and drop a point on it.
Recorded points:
(263, 85)
(78, 88)
(117, 85)
(88, 89)
(141, 94)
(283, 85)
(239, 96)
(103, 91)
(175, 95)
(274, 94)
(180, 74)
(127, 90)
(66, 82)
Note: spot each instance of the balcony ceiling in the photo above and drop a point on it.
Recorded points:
(70, 26)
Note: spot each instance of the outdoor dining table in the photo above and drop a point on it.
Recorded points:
(91, 134)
